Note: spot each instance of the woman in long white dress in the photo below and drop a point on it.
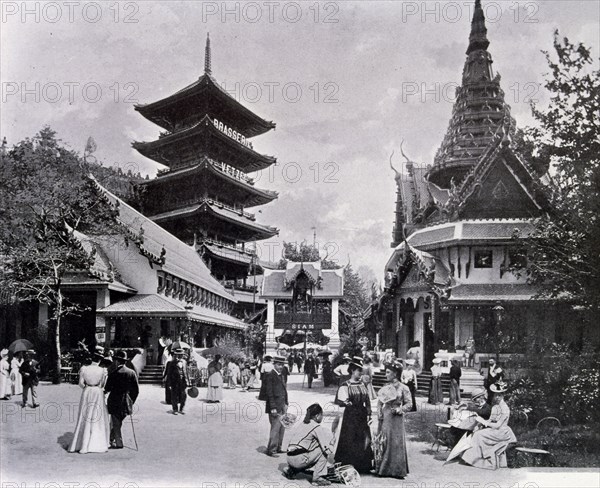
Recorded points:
(5, 385)
(15, 374)
(92, 432)
(215, 381)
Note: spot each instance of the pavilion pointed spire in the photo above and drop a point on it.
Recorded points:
(207, 60)
(478, 38)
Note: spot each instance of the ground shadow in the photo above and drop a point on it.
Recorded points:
(65, 440)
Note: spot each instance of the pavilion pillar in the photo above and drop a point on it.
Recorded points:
(271, 343)
(334, 336)
(102, 300)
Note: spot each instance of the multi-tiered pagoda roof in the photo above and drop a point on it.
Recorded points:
(202, 195)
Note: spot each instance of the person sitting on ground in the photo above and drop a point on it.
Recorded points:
(309, 447)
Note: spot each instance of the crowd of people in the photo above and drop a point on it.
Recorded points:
(479, 432)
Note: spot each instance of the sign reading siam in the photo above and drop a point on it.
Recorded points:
(228, 131)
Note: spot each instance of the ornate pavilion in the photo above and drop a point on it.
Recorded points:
(303, 299)
(448, 277)
(204, 194)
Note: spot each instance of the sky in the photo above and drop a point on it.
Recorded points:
(346, 82)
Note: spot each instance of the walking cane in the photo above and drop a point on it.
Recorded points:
(133, 430)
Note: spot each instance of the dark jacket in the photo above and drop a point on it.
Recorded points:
(176, 378)
(30, 371)
(122, 386)
(455, 373)
(484, 411)
(310, 366)
(276, 392)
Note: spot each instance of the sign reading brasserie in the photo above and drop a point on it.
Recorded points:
(228, 131)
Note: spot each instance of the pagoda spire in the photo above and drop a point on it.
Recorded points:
(478, 38)
(207, 67)
(479, 110)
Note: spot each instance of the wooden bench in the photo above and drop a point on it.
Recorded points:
(541, 457)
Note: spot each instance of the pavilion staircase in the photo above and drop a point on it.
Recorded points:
(151, 374)
(469, 380)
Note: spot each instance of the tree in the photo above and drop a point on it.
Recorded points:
(47, 200)
(305, 253)
(356, 300)
(563, 257)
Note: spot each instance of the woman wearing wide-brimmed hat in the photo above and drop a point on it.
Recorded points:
(354, 443)
(487, 448)
(394, 401)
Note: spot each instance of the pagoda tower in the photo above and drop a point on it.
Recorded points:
(477, 114)
(203, 195)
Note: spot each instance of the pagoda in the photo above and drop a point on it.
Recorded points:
(204, 194)
(458, 223)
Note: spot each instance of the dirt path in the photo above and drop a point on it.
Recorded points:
(213, 446)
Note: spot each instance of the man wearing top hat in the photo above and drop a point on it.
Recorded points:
(177, 380)
(277, 403)
(30, 371)
(122, 386)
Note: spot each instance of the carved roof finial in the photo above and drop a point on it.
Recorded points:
(207, 67)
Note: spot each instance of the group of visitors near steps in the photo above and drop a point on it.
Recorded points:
(363, 439)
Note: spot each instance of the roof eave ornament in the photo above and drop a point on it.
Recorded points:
(207, 60)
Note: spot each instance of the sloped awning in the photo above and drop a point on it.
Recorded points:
(490, 293)
(163, 307)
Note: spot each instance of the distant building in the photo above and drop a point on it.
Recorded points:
(204, 194)
(448, 278)
(303, 298)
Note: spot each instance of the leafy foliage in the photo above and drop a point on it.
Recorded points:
(46, 200)
(563, 250)
(556, 382)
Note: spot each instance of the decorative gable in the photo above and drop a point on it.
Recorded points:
(500, 193)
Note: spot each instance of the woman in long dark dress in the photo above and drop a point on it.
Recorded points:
(394, 402)
(354, 443)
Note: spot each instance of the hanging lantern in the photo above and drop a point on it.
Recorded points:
(499, 312)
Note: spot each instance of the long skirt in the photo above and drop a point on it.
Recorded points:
(454, 391)
(354, 443)
(487, 448)
(435, 391)
(17, 382)
(5, 384)
(215, 387)
(392, 443)
(413, 393)
(92, 431)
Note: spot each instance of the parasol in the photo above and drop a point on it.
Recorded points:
(281, 345)
(20, 345)
(201, 362)
(324, 353)
(178, 345)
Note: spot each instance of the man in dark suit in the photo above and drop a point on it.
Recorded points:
(310, 369)
(277, 403)
(177, 381)
(30, 371)
(122, 386)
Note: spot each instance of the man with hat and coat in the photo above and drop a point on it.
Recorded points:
(310, 369)
(177, 381)
(277, 403)
(30, 370)
(122, 387)
(462, 423)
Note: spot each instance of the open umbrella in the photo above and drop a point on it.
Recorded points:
(202, 362)
(179, 345)
(282, 346)
(20, 345)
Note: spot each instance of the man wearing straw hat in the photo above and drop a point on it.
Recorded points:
(277, 403)
(463, 422)
(123, 389)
